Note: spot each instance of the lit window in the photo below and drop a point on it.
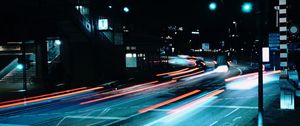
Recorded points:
(128, 55)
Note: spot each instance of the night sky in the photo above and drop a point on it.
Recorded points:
(153, 14)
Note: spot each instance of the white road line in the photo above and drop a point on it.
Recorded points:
(232, 112)
(96, 123)
(3, 124)
(61, 121)
(213, 123)
(96, 117)
(241, 107)
(236, 118)
(215, 106)
(123, 119)
(91, 117)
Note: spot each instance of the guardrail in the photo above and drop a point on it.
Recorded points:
(8, 68)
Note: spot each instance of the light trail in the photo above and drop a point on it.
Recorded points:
(184, 72)
(49, 98)
(131, 87)
(249, 75)
(193, 103)
(114, 91)
(188, 75)
(168, 101)
(40, 96)
(130, 92)
(162, 74)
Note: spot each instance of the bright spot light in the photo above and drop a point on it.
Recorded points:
(126, 9)
(20, 66)
(109, 7)
(57, 42)
(212, 6)
(222, 68)
(247, 83)
(247, 7)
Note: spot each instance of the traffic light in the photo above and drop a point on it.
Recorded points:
(212, 6)
(27, 64)
(126, 9)
(247, 7)
(20, 66)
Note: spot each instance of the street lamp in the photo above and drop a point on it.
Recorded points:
(235, 27)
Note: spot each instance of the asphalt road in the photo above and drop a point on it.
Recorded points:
(211, 103)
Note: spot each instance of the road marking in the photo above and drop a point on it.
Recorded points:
(223, 106)
(96, 123)
(123, 119)
(232, 112)
(91, 117)
(213, 123)
(215, 106)
(3, 124)
(168, 101)
(61, 121)
(236, 118)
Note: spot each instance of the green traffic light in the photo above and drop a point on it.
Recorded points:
(126, 9)
(20, 67)
(212, 6)
(247, 7)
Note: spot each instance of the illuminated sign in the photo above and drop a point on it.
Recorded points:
(103, 24)
(266, 54)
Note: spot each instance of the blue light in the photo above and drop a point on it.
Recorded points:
(20, 66)
(247, 7)
(126, 9)
(212, 6)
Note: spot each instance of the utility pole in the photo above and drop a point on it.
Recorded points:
(24, 68)
(261, 13)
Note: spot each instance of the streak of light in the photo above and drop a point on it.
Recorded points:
(250, 82)
(188, 75)
(184, 72)
(115, 91)
(193, 103)
(249, 75)
(49, 98)
(168, 101)
(240, 76)
(163, 74)
(130, 92)
(197, 76)
(131, 87)
(40, 96)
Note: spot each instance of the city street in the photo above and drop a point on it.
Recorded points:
(202, 99)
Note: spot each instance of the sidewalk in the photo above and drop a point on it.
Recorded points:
(274, 116)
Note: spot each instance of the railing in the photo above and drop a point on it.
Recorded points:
(8, 68)
(86, 23)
